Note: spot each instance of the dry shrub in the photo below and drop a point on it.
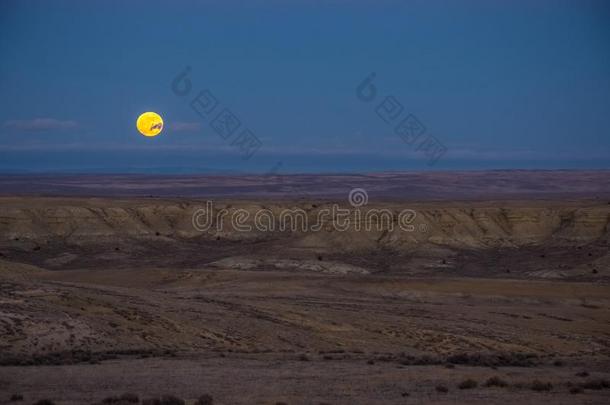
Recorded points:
(205, 399)
(467, 384)
(495, 382)
(541, 386)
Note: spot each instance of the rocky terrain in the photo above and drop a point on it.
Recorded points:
(101, 296)
(541, 239)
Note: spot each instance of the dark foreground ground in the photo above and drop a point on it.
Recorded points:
(239, 379)
(266, 337)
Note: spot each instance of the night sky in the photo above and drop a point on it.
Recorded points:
(495, 84)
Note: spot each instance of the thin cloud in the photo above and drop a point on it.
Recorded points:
(40, 124)
(185, 126)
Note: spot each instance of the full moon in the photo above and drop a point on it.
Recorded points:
(150, 124)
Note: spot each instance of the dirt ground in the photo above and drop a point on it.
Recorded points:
(301, 319)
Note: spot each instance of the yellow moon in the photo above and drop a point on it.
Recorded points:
(150, 124)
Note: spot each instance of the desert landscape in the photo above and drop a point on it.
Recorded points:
(484, 301)
(370, 202)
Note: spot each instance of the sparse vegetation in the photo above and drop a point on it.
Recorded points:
(442, 389)
(125, 399)
(467, 384)
(598, 384)
(576, 390)
(478, 360)
(165, 400)
(539, 386)
(130, 398)
(495, 382)
(44, 402)
(495, 360)
(16, 398)
(419, 361)
(582, 374)
(171, 400)
(205, 399)
(74, 357)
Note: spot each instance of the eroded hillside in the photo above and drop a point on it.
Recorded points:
(536, 239)
(461, 290)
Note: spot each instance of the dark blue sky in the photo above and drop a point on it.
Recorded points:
(499, 84)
